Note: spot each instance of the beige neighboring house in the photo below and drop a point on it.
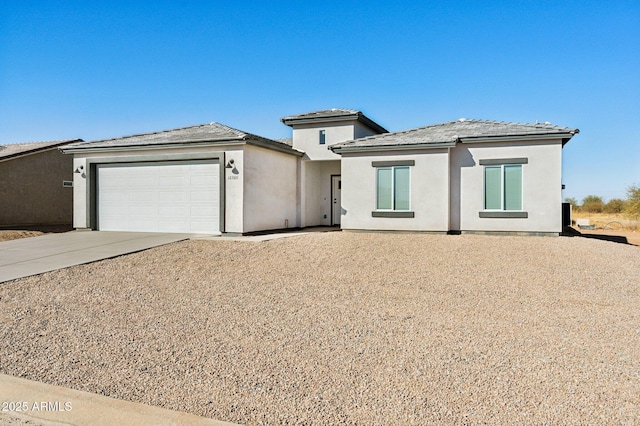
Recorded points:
(340, 168)
(35, 184)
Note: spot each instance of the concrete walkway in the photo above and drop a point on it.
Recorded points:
(35, 255)
(35, 403)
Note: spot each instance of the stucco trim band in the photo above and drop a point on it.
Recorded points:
(393, 163)
(393, 214)
(505, 215)
(499, 161)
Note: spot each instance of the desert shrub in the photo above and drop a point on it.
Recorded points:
(632, 205)
(592, 204)
(615, 205)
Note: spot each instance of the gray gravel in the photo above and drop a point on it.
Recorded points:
(349, 328)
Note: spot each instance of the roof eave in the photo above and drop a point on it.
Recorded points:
(512, 138)
(38, 150)
(241, 141)
(293, 121)
(284, 148)
(371, 124)
(404, 147)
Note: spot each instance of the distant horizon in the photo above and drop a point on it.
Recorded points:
(105, 70)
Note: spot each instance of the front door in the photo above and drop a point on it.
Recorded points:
(336, 206)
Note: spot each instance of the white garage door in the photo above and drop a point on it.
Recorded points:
(176, 196)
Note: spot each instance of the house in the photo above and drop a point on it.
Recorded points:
(35, 184)
(339, 168)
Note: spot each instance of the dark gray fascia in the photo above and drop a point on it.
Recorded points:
(327, 119)
(512, 138)
(403, 147)
(284, 149)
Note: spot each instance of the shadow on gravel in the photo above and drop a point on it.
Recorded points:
(572, 232)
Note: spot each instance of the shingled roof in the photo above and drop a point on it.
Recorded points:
(333, 114)
(19, 149)
(462, 130)
(204, 134)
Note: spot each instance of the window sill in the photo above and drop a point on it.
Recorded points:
(505, 215)
(396, 213)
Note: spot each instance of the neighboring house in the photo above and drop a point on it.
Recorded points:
(32, 192)
(460, 176)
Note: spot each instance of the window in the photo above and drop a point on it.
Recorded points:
(393, 188)
(503, 187)
(323, 137)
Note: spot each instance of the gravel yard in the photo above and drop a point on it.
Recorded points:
(355, 328)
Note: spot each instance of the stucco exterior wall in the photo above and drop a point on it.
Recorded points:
(429, 191)
(31, 191)
(306, 137)
(541, 192)
(362, 131)
(270, 189)
(316, 203)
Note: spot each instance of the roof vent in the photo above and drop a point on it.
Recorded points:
(462, 119)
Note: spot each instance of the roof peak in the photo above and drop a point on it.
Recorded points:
(156, 132)
(330, 115)
(212, 132)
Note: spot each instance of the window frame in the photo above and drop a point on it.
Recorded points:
(502, 187)
(322, 135)
(393, 168)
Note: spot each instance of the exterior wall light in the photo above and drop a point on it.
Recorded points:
(231, 165)
(80, 170)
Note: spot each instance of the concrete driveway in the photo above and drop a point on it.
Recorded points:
(35, 255)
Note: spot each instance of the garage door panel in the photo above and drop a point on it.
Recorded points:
(175, 225)
(173, 196)
(202, 211)
(172, 181)
(173, 211)
(202, 181)
(203, 196)
(180, 196)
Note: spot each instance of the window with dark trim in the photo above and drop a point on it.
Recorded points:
(323, 137)
(392, 188)
(503, 188)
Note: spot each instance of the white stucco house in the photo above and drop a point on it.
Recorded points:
(340, 168)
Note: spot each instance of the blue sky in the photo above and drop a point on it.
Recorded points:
(95, 70)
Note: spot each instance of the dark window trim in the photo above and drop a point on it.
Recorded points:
(501, 161)
(505, 215)
(397, 213)
(323, 137)
(393, 163)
